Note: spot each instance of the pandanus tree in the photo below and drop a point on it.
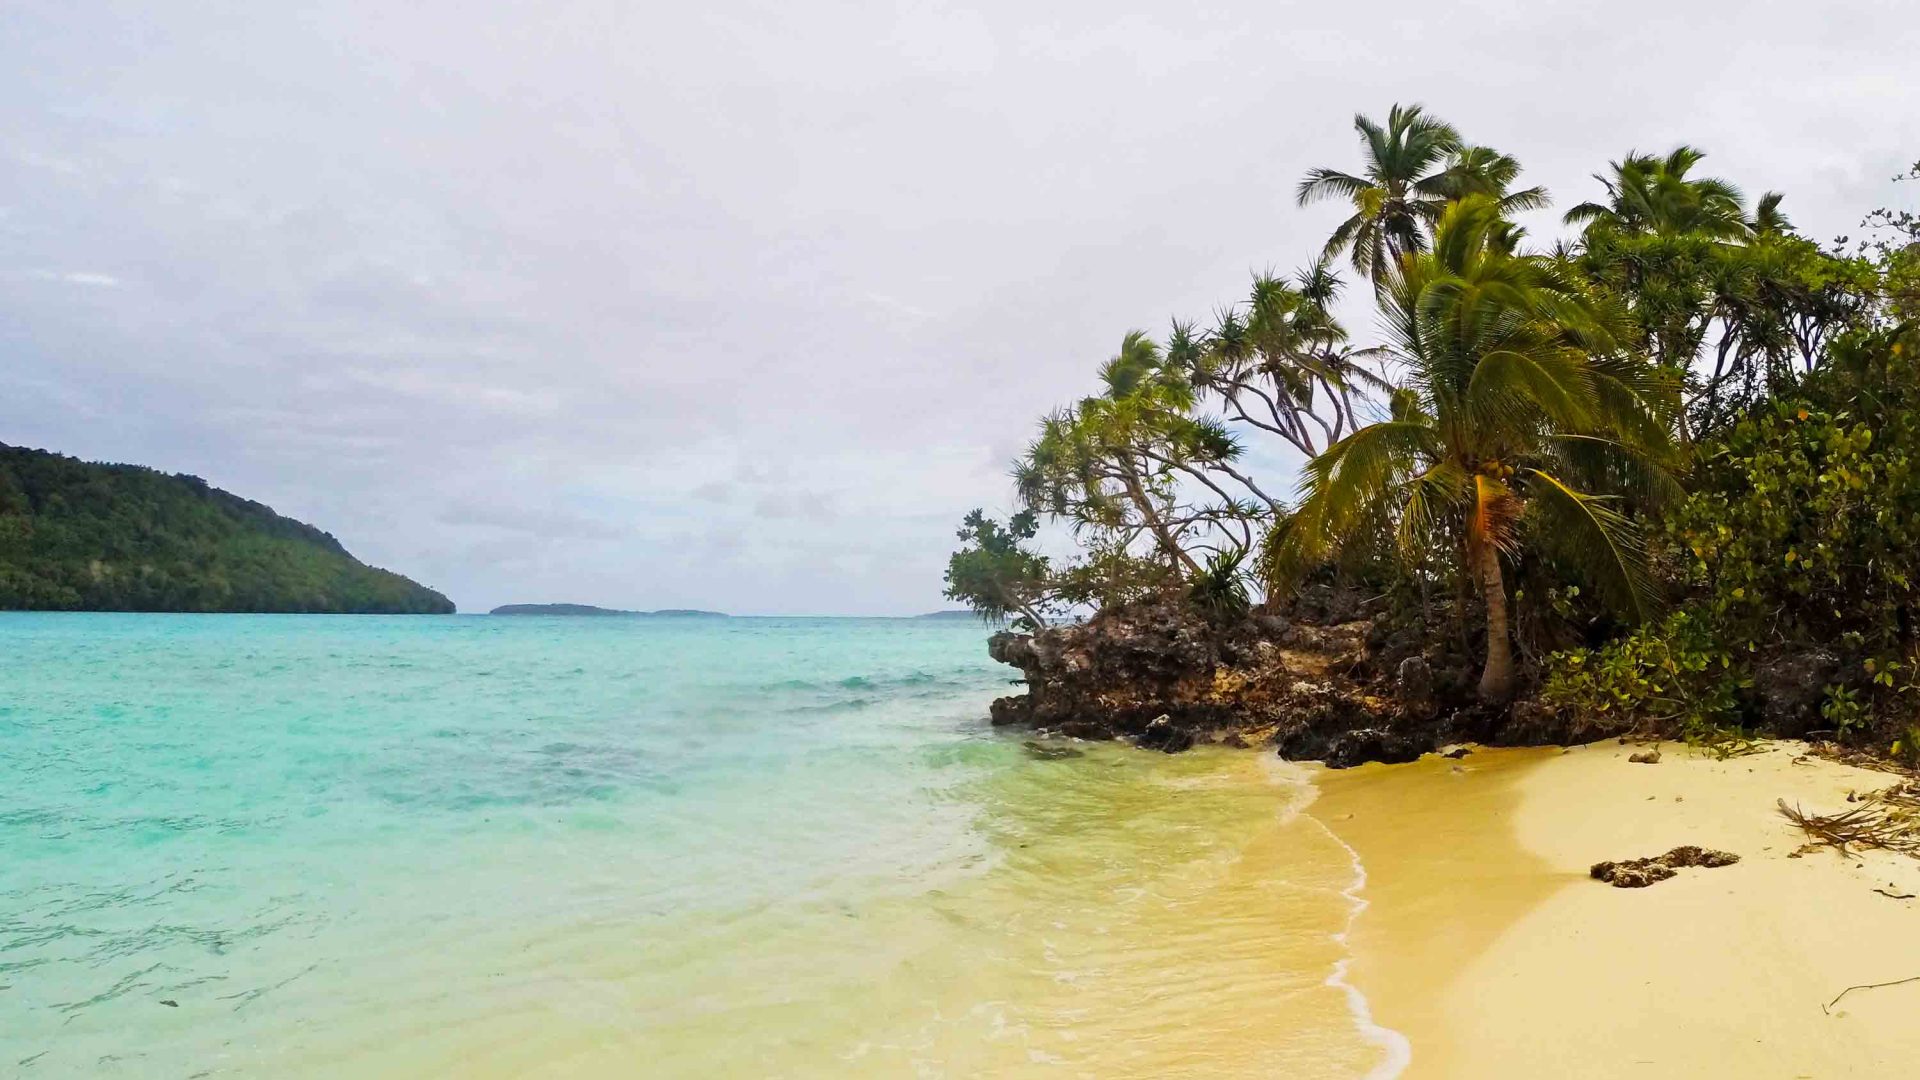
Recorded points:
(1520, 415)
(1774, 304)
(1120, 463)
(1280, 362)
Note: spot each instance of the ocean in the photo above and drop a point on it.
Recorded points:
(338, 846)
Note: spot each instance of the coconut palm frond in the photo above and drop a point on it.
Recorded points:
(1602, 542)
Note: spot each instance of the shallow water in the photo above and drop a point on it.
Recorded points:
(579, 847)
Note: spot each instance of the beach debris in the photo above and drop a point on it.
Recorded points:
(1640, 873)
(1888, 819)
(1457, 753)
(1866, 986)
(1645, 757)
(1851, 755)
(1894, 895)
(1051, 753)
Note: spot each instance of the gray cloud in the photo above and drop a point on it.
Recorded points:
(743, 304)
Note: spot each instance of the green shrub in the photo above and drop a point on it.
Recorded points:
(1220, 591)
(1802, 533)
(1673, 677)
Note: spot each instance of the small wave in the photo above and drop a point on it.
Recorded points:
(1398, 1050)
(836, 706)
(918, 679)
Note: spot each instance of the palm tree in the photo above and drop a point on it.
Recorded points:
(1648, 194)
(1768, 219)
(1482, 170)
(1518, 402)
(1400, 191)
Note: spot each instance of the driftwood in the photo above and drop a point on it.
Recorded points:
(1865, 986)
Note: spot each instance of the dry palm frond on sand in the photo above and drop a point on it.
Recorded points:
(1888, 820)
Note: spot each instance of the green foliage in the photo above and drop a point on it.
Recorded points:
(1906, 748)
(994, 573)
(1893, 242)
(1802, 534)
(1699, 277)
(1669, 677)
(1843, 710)
(1220, 590)
(1107, 574)
(122, 538)
(1805, 524)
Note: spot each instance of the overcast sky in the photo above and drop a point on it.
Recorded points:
(743, 305)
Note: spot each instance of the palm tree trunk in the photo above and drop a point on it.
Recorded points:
(1496, 681)
(1464, 584)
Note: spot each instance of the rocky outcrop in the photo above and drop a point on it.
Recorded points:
(1325, 683)
(1164, 677)
(1788, 686)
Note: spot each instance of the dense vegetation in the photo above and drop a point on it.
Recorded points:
(1665, 469)
(81, 536)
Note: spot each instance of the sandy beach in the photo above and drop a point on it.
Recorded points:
(1488, 945)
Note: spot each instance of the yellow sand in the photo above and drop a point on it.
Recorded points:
(1489, 947)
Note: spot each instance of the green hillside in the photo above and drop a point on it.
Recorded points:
(80, 536)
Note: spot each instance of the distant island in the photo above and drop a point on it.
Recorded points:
(589, 609)
(79, 536)
(956, 614)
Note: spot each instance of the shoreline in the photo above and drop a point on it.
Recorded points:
(1393, 1043)
(1487, 945)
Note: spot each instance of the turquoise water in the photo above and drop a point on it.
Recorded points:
(292, 845)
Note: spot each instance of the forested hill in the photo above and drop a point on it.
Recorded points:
(589, 610)
(81, 536)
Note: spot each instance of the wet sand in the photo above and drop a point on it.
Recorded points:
(1490, 948)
